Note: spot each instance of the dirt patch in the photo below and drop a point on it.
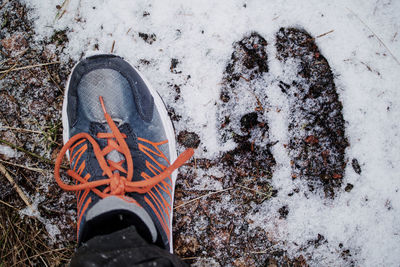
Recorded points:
(316, 125)
(213, 225)
(188, 139)
(149, 38)
(356, 166)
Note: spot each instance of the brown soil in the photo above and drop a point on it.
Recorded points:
(316, 125)
(208, 229)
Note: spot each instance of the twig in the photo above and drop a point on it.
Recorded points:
(394, 36)
(247, 188)
(321, 35)
(22, 166)
(5, 203)
(62, 10)
(29, 67)
(112, 47)
(51, 78)
(29, 131)
(7, 71)
(4, 61)
(247, 80)
(5, 3)
(220, 191)
(22, 246)
(4, 171)
(25, 151)
(376, 36)
(20, 129)
(29, 153)
(203, 196)
(259, 105)
(15, 64)
(39, 254)
(268, 250)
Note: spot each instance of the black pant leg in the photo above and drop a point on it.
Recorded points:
(123, 248)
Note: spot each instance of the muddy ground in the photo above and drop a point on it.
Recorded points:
(205, 232)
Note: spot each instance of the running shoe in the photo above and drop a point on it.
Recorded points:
(120, 143)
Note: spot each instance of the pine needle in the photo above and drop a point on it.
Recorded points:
(376, 36)
(42, 159)
(28, 67)
(22, 195)
(23, 166)
(203, 196)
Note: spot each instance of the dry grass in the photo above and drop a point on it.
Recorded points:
(24, 242)
(30, 104)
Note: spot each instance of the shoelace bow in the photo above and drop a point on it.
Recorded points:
(117, 184)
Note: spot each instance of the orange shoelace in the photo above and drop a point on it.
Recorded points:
(116, 184)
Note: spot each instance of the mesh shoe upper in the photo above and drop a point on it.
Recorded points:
(121, 146)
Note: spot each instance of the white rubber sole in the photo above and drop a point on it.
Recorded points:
(165, 119)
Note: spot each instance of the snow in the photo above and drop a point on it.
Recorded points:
(200, 36)
(33, 211)
(8, 152)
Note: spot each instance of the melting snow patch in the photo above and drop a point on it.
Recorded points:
(8, 152)
(52, 229)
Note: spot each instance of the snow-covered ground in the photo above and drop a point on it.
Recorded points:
(363, 51)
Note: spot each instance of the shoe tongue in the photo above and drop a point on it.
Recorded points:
(114, 155)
